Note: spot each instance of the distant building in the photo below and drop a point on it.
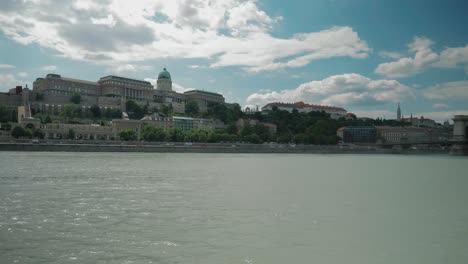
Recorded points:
(51, 93)
(420, 122)
(54, 84)
(358, 135)
(301, 107)
(125, 88)
(411, 134)
(204, 98)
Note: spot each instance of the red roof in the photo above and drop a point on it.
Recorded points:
(304, 105)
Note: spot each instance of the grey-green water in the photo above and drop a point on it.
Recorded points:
(232, 208)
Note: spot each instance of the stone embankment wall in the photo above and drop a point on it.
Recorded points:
(207, 148)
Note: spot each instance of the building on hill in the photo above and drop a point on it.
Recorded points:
(51, 93)
(420, 122)
(203, 98)
(334, 112)
(54, 84)
(125, 88)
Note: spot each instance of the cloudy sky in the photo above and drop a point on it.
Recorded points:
(363, 55)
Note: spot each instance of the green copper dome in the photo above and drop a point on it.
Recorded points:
(164, 74)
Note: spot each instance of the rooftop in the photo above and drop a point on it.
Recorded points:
(202, 92)
(113, 77)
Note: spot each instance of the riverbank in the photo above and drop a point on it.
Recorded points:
(209, 148)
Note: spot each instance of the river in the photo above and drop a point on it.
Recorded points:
(62, 207)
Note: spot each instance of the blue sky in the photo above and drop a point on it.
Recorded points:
(363, 55)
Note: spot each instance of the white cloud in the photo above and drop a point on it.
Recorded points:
(129, 68)
(389, 54)
(196, 66)
(424, 58)
(339, 90)
(22, 74)
(451, 90)
(7, 66)
(49, 68)
(224, 32)
(405, 67)
(8, 81)
(108, 21)
(440, 106)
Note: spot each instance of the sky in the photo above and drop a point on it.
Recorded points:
(364, 55)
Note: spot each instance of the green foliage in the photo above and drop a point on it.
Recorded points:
(75, 98)
(47, 120)
(231, 129)
(192, 108)
(95, 111)
(134, 110)
(112, 113)
(252, 138)
(176, 135)
(19, 132)
(151, 133)
(38, 134)
(71, 111)
(71, 134)
(167, 110)
(7, 114)
(227, 115)
(128, 135)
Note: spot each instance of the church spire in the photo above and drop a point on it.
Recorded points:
(398, 113)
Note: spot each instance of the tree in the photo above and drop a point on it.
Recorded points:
(128, 135)
(71, 111)
(151, 133)
(47, 120)
(134, 110)
(5, 114)
(71, 134)
(95, 111)
(231, 129)
(38, 134)
(167, 110)
(18, 132)
(192, 108)
(75, 98)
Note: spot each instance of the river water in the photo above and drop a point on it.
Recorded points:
(232, 208)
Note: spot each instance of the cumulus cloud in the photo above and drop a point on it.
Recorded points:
(22, 74)
(8, 81)
(389, 54)
(49, 68)
(339, 90)
(424, 58)
(440, 106)
(451, 90)
(404, 67)
(224, 32)
(129, 68)
(7, 66)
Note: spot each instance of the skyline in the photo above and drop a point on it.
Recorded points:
(365, 56)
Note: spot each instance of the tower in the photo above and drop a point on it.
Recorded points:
(164, 81)
(398, 113)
